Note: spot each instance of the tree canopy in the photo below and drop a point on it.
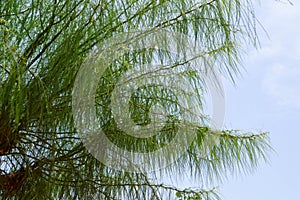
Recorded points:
(45, 45)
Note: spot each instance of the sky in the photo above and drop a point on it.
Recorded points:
(267, 98)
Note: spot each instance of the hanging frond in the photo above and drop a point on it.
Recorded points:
(43, 45)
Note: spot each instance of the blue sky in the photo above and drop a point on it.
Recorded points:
(267, 98)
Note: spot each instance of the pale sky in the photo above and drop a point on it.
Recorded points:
(267, 98)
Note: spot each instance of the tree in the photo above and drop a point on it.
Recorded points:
(43, 46)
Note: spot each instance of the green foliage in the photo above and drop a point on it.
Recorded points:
(42, 46)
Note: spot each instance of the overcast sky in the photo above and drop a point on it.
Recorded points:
(267, 98)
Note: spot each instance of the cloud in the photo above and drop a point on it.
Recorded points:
(279, 56)
(281, 23)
